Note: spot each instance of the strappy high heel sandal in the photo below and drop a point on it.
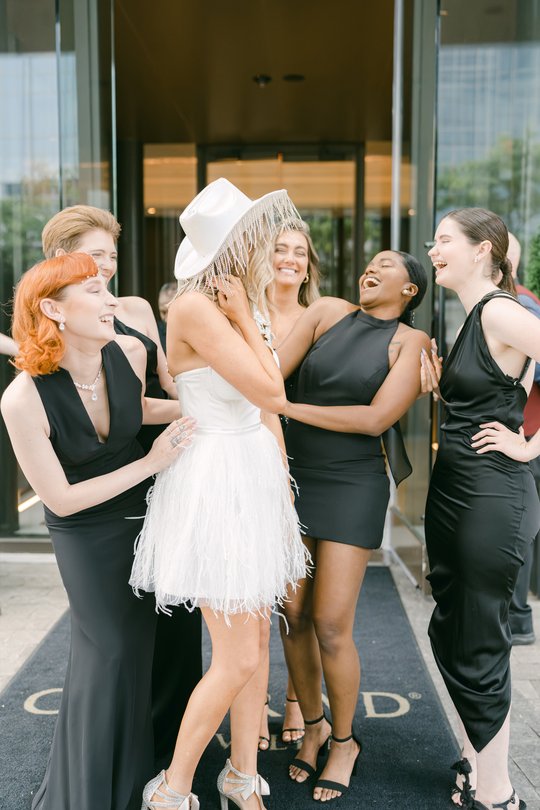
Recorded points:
(264, 742)
(301, 763)
(244, 786)
(169, 799)
(465, 792)
(476, 805)
(283, 730)
(329, 783)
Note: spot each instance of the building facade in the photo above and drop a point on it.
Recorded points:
(377, 118)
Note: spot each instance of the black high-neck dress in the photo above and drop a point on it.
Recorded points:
(177, 667)
(343, 487)
(482, 512)
(102, 752)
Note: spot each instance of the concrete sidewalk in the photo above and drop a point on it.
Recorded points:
(32, 599)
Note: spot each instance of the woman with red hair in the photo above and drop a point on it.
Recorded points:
(73, 414)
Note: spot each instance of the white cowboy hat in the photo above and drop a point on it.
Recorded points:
(222, 224)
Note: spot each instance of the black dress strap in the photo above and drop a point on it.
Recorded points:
(505, 294)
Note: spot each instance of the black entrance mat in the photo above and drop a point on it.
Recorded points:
(408, 744)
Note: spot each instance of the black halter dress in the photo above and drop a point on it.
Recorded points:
(102, 751)
(343, 488)
(482, 512)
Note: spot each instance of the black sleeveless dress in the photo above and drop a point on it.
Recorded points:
(147, 433)
(341, 477)
(102, 752)
(177, 667)
(482, 512)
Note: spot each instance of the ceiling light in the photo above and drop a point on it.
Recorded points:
(262, 79)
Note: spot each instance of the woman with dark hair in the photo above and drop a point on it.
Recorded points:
(73, 415)
(358, 376)
(482, 508)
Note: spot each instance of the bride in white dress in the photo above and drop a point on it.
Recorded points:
(221, 532)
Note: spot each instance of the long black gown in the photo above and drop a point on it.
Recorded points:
(482, 512)
(343, 488)
(102, 752)
(177, 666)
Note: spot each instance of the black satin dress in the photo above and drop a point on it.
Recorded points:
(102, 752)
(177, 666)
(341, 477)
(482, 513)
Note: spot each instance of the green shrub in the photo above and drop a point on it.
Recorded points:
(532, 273)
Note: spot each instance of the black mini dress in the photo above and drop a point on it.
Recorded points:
(343, 486)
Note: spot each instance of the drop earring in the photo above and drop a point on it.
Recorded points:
(61, 326)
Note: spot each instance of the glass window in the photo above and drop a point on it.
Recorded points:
(489, 119)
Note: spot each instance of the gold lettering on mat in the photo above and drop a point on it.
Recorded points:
(30, 704)
(372, 704)
(403, 705)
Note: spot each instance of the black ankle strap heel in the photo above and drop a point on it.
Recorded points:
(329, 783)
(301, 763)
(466, 793)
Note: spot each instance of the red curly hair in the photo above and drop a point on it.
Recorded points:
(41, 345)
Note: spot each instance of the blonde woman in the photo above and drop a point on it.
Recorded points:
(295, 286)
(221, 532)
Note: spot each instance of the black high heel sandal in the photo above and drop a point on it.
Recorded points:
(302, 764)
(476, 805)
(466, 793)
(283, 730)
(329, 783)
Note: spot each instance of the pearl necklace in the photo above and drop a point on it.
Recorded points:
(92, 386)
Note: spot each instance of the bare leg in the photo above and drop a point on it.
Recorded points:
(235, 659)
(493, 781)
(333, 613)
(304, 662)
(246, 707)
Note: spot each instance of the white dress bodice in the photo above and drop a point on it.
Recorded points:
(216, 405)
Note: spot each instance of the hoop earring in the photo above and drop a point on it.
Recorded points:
(61, 326)
(305, 281)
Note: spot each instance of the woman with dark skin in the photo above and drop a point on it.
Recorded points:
(358, 376)
(482, 508)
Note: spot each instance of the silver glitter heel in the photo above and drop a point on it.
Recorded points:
(244, 787)
(169, 799)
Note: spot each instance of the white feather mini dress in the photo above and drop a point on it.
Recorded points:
(221, 530)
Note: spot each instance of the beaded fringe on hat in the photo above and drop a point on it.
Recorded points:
(260, 224)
